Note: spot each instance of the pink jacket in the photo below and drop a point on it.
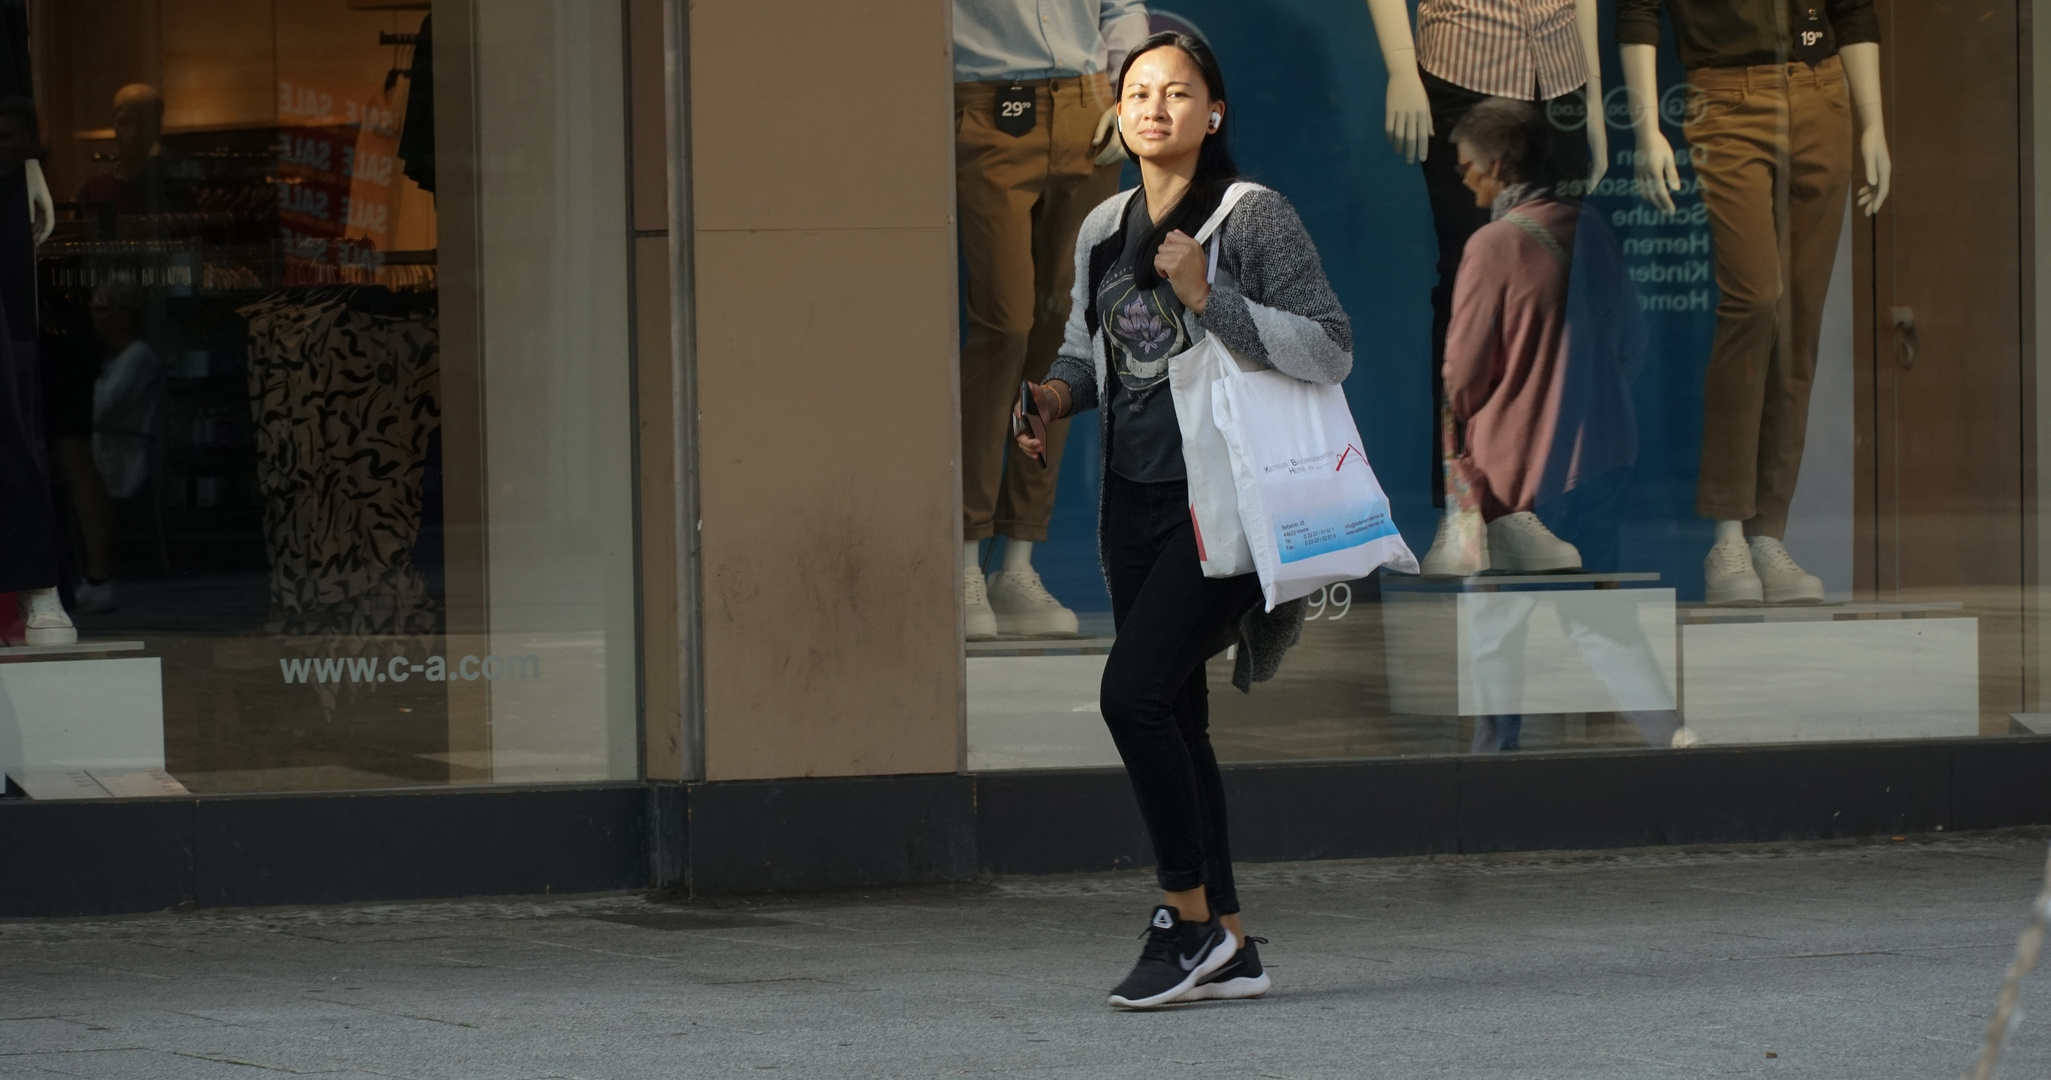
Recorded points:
(1510, 368)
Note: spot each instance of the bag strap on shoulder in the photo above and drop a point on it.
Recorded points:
(1239, 190)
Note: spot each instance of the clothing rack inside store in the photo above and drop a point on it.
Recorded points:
(188, 264)
(315, 294)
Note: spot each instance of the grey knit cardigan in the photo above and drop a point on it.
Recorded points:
(1270, 304)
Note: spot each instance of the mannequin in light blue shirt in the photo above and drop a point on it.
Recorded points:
(1034, 153)
(1043, 39)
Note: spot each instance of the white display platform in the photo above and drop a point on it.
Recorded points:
(1499, 645)
(98, 784)
(1829, 672)
(79, 648)
(1084, 645)
(1028, 710)
(60, 716)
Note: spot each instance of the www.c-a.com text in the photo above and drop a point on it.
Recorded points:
(370, 669)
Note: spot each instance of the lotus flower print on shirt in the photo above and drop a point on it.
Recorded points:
(1146, 337)
(1143, 328)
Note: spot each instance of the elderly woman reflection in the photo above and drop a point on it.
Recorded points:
(1545, 337)
(1536, 357)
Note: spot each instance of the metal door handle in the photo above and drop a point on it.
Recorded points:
(1905, 323)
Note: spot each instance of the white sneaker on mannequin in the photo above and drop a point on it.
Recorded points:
(1783, 581)
(1520, 541)
(47, 622)
(1022, 603)
(1728, 576)
(979, 623)
(1460, 549)
(1025, 608)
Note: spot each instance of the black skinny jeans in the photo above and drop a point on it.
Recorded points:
(1170, 619)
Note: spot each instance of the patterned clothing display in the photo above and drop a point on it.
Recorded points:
(343, 400)
(1524, 49)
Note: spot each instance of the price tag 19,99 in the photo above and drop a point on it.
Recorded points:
(1811, 33)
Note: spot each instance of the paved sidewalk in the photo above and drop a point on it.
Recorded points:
(1817, 960)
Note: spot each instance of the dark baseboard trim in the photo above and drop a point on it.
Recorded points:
(1085, 819)
(831, 833)
(109, 857)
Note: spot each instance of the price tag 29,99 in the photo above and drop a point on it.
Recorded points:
(1017, 109)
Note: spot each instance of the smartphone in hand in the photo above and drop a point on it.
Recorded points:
(1028, 418)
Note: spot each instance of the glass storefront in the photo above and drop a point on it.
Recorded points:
(1730, 460)
(321, 429)
(325, 362)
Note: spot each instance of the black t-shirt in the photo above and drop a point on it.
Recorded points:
(1143, 328)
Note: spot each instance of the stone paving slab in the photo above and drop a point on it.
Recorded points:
(1842, 959)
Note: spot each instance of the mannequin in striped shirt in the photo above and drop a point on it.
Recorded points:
(1464, 52)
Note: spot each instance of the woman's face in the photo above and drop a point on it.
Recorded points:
(1164, 108)
(1483, 176)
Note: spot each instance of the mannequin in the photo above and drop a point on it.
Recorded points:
(16, 81)
(1408, 120)
(1034, 154)
(1467, 55)
(1774, 150)
(28, 531)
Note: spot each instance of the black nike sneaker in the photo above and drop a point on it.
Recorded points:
(1240, 977)
(1178, 953)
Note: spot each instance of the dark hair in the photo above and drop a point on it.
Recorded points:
(1214, 168)
(1512, 133)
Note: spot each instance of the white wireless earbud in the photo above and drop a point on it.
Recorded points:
(1216, 119)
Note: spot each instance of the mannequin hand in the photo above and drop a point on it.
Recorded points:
(1862, 82)
(1879, 169)
(1049, 402)
(1598, 146)
(1658, 174)
(1408, 122)
(42, 212)
(1182, 263)
(1110, 148)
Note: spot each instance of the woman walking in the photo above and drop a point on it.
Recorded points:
(1144, 291)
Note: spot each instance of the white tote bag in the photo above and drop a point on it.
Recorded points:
(1312, 510)
(1193, 377)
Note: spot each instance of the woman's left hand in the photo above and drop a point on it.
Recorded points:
(1182, 263)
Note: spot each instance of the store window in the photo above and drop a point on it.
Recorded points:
(320, 417)
(1730, 459)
